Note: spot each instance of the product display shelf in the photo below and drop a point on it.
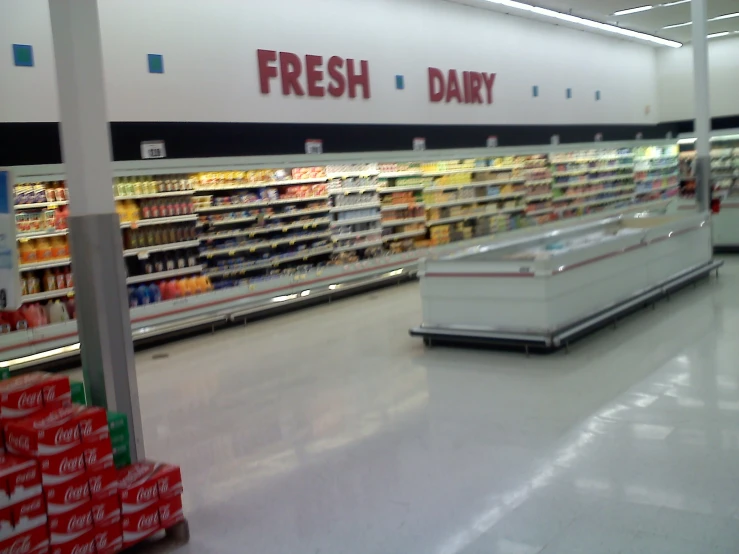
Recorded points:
(548, 289)
(539, 193)
(287, 209)
(656, 172)
(48, 343)
(356, 230)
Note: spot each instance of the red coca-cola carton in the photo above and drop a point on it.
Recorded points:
(137, 487)
(21, 396)
(35, 541)
(29, 514)
(98, 454)
(170, 511)
(106, 511)
(140, 525)
(20, 479)
(103, 481)
(68, 495)
(63, 467)
(6, 523)
(109, 539)
(84, 544)
(93, 423)
(45, 433)
(57, 390)
(169, 480)
(70, 525)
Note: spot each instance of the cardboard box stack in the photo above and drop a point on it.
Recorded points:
(60, 491)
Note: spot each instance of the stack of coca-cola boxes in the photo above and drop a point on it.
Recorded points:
(59, 489)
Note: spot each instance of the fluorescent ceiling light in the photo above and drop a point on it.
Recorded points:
(717, 18)
(634, 10)
(716, 35)
(586, 22)
(727, 16)
(673, 3)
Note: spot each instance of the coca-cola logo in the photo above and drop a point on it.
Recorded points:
(86, 427)
(20, 442)
(65, 436)
(50, 392)
(23, 478)
(92, 456)
(71, 465)
(88, 548)
(101, 541)
(31, 507)
(79, 523)
(75, 494)
(145, 494)
(164, 485)
(96, 483)
(98, 512)
(148, 521)
(20, 546)
(164, 511)
(136, 472)
(30, 400)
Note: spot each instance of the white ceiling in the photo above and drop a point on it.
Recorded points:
(651, 21)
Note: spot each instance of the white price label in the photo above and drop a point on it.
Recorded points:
(313, 146)
(419, 144)
(492, 142)
(555, 139)
(153, 149)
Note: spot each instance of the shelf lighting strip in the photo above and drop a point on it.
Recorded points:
(585, 22)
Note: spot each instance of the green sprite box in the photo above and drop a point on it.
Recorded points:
(78, 392)
(119, 438)
(4, 373)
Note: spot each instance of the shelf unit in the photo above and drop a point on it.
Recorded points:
(246, 229)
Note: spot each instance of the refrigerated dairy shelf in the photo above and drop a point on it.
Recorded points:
(393, 207)
(259, 204)
(45, 265)
(400, 174)
(270, 262)
(58, 293)
(161, 275)
(491, 183)
(536, 182)
(475, 200)
(396, 222)
(352, 190)
(158, 221)
(39, 205)
(42, 234)
(404, 235)
(249, 275)
(170, 194)
(535, 197)
(161, 248)
(262, 245)
(358, 234)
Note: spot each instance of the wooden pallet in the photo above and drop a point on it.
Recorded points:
(163, 541)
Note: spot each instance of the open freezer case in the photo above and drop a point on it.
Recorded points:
(547, 289)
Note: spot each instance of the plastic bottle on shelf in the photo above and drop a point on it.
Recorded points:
(56, 312)
(60, 279)
(49, 280)
(58, 248)
(68, 279)
(71, 307)
(43, 250)
(27, 251)
(33, 283)
(155, 293)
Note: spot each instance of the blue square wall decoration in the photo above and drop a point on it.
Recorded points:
(535, 91)
(399, 82)
(569, 93)
(156, 63)
(23, 55)
(597, 95)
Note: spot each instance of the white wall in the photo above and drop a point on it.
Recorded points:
(209, 49)
(675, 80)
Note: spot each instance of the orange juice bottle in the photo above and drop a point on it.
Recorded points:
(43, 250)
(27, 252)
(49, 281)
(58, 248)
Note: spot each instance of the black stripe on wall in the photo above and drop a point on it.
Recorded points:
(38, 143)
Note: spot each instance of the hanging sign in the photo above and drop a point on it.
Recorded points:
(555, 139)
(599, 137)
(419, 144)
(10, 285)
(639, 136)
(492, 141)
(152, 150)
(314, 146)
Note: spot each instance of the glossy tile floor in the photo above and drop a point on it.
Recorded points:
(331, 431)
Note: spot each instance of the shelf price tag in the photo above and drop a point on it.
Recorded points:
(314, 146)
(419, 144)
(555, 139)
(153, 149)
(492, 141)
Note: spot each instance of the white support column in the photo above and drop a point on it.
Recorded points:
(702, 105)
(103, 317)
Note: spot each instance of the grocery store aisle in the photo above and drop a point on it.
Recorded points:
(330, 431)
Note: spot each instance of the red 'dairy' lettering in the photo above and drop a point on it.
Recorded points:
(468, 88)
(313, 76)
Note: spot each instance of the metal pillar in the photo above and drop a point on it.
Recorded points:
(702, 105)
(103, 318)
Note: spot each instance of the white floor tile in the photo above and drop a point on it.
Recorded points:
(330, 430)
